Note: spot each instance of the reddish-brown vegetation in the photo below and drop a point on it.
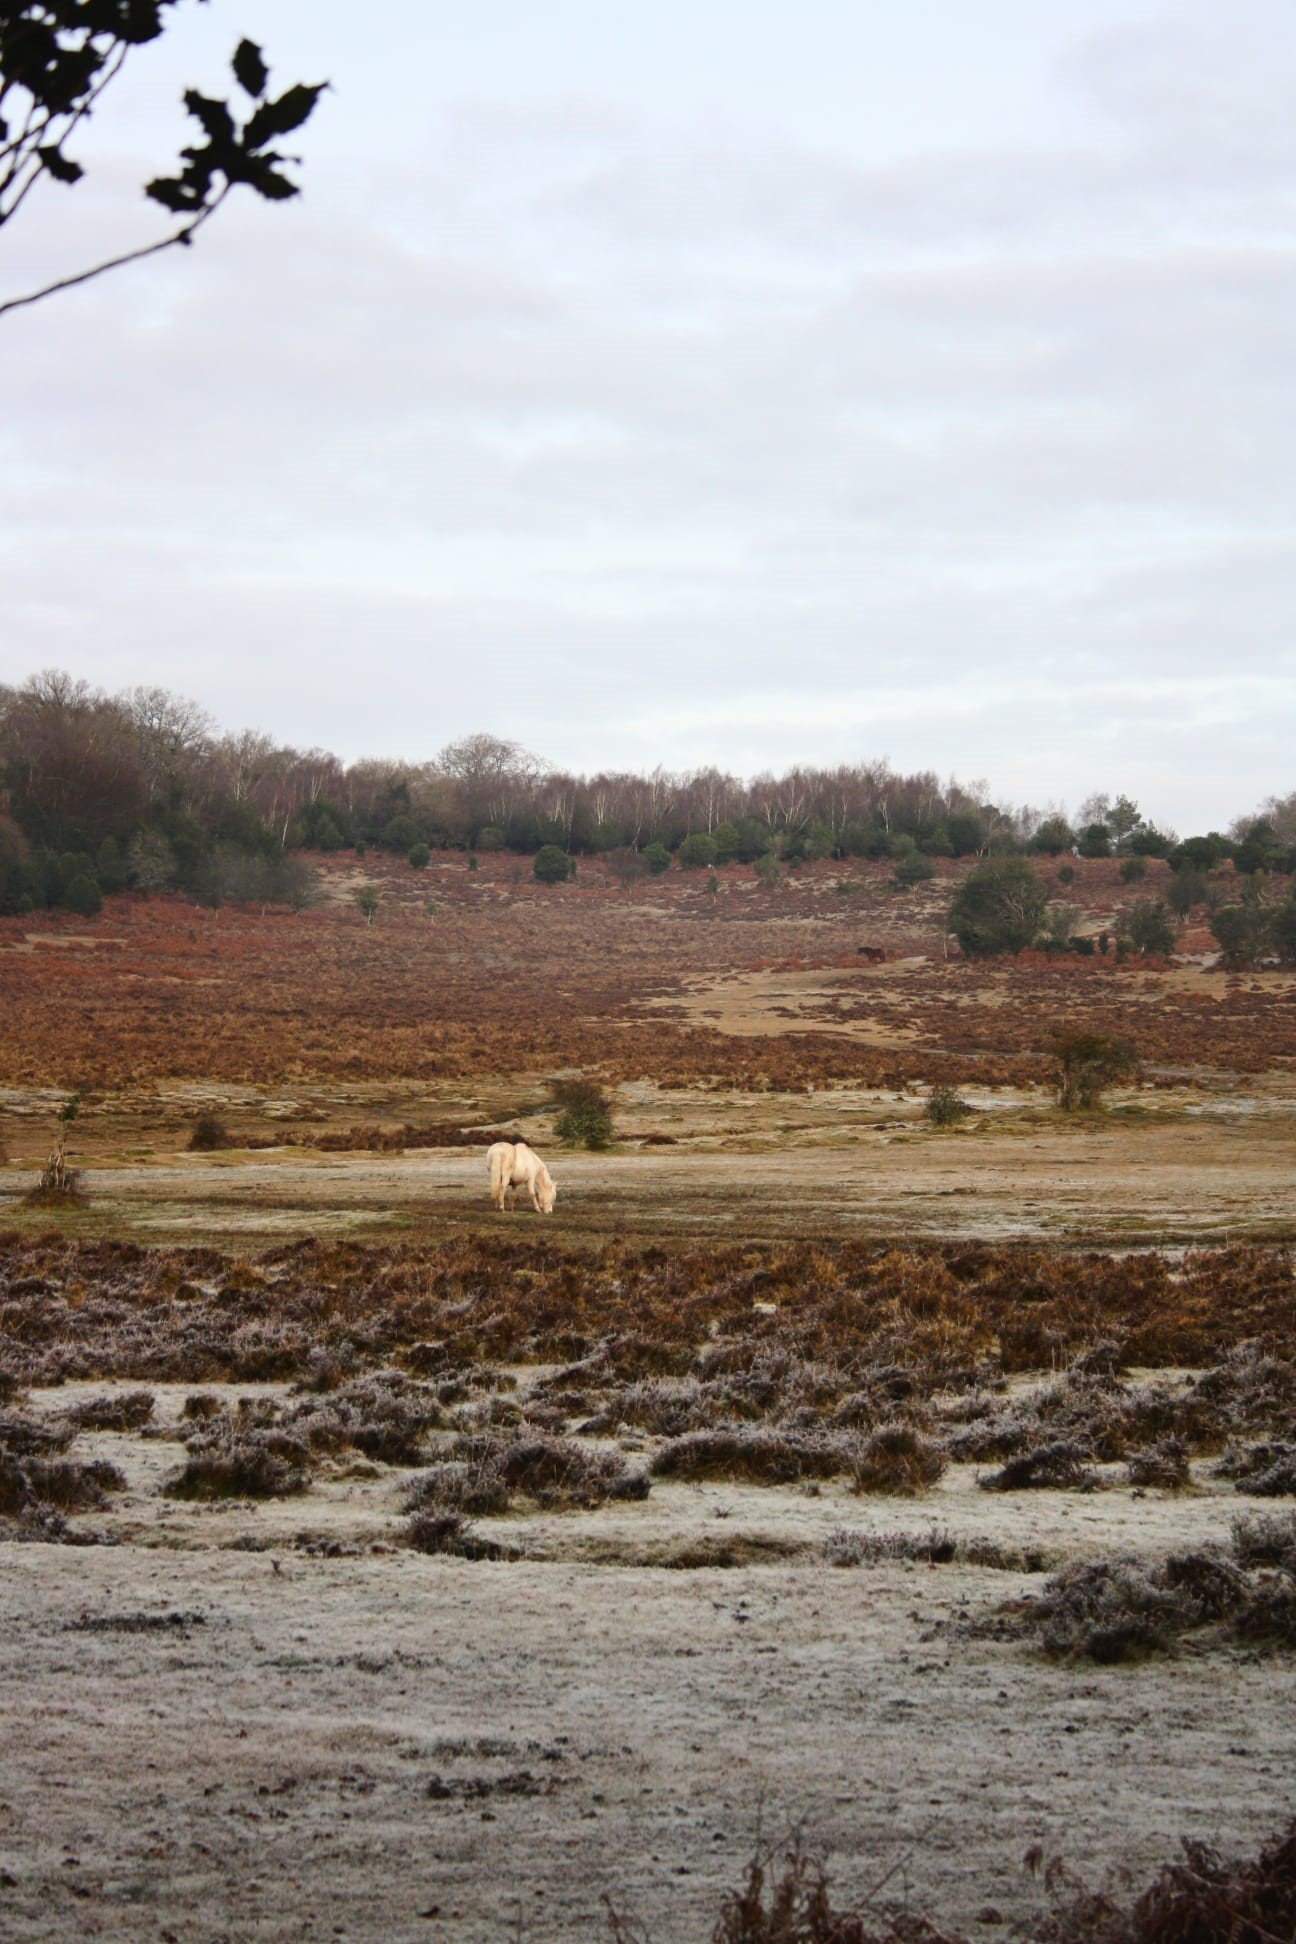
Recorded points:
(160, 987)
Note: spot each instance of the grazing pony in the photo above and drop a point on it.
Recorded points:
(513, 1166)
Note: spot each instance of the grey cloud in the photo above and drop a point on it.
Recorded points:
(622, 439)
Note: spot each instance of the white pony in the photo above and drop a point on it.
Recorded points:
(513, 1165)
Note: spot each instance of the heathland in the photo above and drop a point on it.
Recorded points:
(866, 1445)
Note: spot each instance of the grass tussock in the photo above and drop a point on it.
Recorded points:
(898, 1459)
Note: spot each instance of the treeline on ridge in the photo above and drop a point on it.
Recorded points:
(103, 792)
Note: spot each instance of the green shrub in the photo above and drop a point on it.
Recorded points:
(585, 1113)
(911, 867)
(1150, 927)
(401, 833)
(945, 1107)
(1132, 869)
(110, 866)
(552, 865)
(697, 852)
(1054, 836)
(998, 907)
(727, 839)
(1086, 1063)
(657, 858)
(83, 895)
(1066, 873)
(1239, 932)
(419, 857)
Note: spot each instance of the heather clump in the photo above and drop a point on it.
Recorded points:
(1127, 1607)
(491, 1472)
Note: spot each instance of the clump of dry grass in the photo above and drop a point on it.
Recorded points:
(65, 1192)
(896, 1458)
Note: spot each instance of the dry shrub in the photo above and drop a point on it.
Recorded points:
(199, 1406)
(31, 1483)
(1059, 1465)
(1164, 1464)
(376, 1139)
(209, 1134)
(936, 1547)
(237, 1457)
(36, 1481)
(759, 1454)
(486, 1472)
(450, 1532)
(1201, 1899)
(1123, 1608)
(788, 1357)
(384, 1415)
(65, 1192)
(128, 1411)
(1265, 1470)
(786, 1899)
(1266, 1539)
(896, 1458)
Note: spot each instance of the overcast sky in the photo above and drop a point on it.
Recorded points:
(693, 382)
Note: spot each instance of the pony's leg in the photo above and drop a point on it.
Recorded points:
(535, 1199)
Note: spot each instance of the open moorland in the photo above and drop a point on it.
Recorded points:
(379, 1566)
